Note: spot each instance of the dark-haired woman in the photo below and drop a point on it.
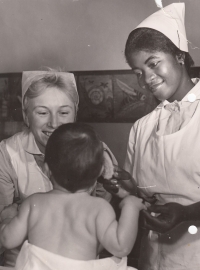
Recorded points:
(163, 149)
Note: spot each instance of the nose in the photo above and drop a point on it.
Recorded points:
(53, 121)
(148, 78)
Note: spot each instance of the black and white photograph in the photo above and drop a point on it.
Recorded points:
(99, 135)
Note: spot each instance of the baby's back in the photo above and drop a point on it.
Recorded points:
(64, 224)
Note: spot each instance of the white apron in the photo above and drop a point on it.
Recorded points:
(168, 167)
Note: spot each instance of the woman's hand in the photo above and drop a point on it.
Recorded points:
(170, 215)
(9, 212)
(121, 185)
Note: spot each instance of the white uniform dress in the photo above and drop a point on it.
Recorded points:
(163, 157)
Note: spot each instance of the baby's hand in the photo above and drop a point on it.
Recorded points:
(136, 202)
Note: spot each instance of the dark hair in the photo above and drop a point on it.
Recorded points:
(148, 39)
(74, 155)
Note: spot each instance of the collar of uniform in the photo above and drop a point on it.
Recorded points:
(194, 90)
(29, 143)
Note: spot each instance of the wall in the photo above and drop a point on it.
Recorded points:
(76, 34)
(79, 35)
(115, 135)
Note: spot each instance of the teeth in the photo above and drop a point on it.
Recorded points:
(48, 133)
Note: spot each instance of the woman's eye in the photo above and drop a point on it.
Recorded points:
(154, 64)
(42, 113)
(64, 113)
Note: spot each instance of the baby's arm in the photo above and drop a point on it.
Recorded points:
(119, 237)
(14, 231)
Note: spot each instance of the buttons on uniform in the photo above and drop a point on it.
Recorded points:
(191, 97)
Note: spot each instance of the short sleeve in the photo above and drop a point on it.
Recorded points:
(130, 154)
(8, 178)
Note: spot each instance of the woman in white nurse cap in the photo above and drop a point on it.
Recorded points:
(49, 99)
(164, 151)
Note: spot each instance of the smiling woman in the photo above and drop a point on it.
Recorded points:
(46, 112)
(159, 65)
(161, 74)
(47, 105)
(49, 99)
(163, 151)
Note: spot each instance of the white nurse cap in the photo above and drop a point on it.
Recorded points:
(169, 21)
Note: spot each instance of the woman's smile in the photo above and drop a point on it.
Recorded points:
(47, 112)
(154, 87)
(47, 133)
(158, 72)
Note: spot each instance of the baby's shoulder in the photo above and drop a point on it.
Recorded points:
(99, 200)
(101, 204)
(35, 198)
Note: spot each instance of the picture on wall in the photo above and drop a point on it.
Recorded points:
(105, 96)
(10, 97)
(112, 97)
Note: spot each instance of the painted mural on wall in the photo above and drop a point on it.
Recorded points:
(105, 96)
(130, 101)
(96, 98)
(114, 97)
(10, 97)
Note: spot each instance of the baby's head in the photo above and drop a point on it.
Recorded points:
(74, 155)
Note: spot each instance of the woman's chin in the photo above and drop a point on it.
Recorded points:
(160, 96)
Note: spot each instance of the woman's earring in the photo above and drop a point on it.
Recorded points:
(181, 59)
